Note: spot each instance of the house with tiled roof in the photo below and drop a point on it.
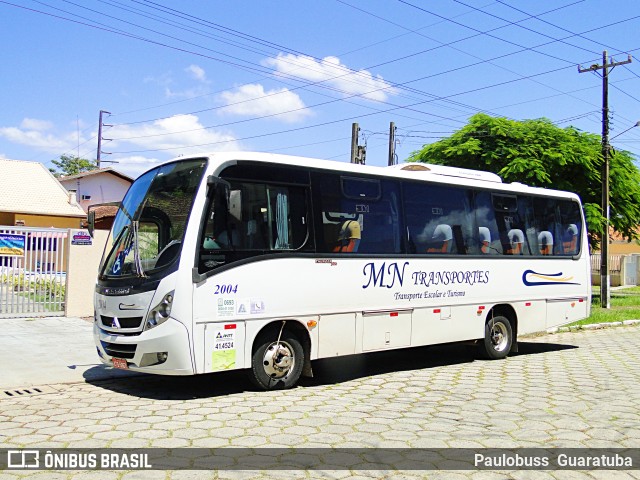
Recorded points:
(33, 197)
(99, 186)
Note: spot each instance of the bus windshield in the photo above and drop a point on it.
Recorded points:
(150, 224)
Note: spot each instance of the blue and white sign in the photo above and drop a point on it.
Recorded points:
(12, 245)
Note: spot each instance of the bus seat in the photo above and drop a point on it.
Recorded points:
(442, 239)
(223, 240)
(545, 242)
(516, 239)
(485, 239)
(349, 237)
(256, 230)
(570, 239)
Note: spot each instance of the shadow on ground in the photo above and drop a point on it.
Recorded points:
(326, 372)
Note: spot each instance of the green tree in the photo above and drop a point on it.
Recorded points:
(71, 165)
(540, 154)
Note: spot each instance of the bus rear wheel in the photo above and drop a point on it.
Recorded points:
(498, 338)
(276, 364)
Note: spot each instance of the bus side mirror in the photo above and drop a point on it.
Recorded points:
(91, 222)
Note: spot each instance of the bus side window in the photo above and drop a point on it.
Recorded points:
(547, 225)
(356, 214)
(438, 219)
(510, 216)
(488, 235)
(570, 227)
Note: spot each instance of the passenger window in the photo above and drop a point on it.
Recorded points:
(571, 228)
(361, 188)
(488, 235)
(258, 217)
(511, 225)
(547, 226)
(356, 215)
(438, 220)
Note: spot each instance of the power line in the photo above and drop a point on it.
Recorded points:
(537, 17)
(343, 119)
(350, 71)
(517, 24)
(433, 97)
(352, 96)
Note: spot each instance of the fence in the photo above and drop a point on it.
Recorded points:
(32, 271)
(623, 269)
(48, 271)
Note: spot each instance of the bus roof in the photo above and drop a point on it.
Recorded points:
(419, 171)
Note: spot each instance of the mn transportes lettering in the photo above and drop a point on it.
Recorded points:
(387, 275)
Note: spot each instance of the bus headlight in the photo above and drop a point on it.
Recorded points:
(160, 313)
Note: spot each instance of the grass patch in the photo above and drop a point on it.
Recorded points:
(625, 305)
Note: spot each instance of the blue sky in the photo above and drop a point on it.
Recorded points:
(292, 76)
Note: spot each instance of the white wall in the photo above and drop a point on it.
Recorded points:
(82, 273)
(102, 187)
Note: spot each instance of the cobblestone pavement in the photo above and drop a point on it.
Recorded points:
(578, 389)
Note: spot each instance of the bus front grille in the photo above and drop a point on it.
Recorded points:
(123, 322)
(119, 350)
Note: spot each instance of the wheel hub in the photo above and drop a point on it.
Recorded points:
(278, 360)
(499, 337)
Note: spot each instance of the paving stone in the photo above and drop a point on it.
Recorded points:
(569, 397)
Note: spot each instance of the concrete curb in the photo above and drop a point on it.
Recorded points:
(592, 326)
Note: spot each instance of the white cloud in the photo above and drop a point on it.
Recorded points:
(175, 134)
(47, 142)
(172, 136)
(332, 72)
(173, 87)
(253, 100)
(134, 166)
(197, 73)
(35, 124)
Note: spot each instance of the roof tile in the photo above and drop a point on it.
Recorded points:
(28, 187)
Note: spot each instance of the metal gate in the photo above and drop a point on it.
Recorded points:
(631, 270)
(32, 271)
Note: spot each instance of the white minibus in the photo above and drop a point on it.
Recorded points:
(268, 262)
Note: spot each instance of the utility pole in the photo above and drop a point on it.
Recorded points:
(358, 152)
(605, 297)
(100, 139)
(392, 144)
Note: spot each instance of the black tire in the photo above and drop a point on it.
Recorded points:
(498, 338)
(265, 373)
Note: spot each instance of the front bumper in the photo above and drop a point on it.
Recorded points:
(141, 351)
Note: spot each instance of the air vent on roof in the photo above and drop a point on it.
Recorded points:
(421, 168)
(415, 167)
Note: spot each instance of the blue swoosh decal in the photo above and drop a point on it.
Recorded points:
(546, 279)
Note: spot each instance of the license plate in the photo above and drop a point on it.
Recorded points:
(120, 363)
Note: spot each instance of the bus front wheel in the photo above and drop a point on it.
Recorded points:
(498, 338)
(276, 364)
